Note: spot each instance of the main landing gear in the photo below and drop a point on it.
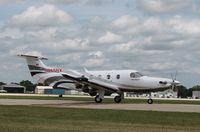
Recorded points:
(100, 96)
(117, 99)
(98, 99)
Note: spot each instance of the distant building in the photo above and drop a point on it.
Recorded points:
(13, 88)
(41, 89)
(196, 94)
(48, 90)
(163, 94)
(51, 90)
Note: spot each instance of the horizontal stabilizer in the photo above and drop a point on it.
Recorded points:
(32, 56)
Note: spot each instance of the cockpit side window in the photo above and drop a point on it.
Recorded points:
(139, 74)
(132, 75)
(135, 75)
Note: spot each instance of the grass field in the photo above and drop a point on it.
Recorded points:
(106, 100)
(41, 119)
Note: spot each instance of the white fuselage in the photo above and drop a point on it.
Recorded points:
(131, 80)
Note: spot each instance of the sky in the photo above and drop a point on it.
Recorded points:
(155, 37)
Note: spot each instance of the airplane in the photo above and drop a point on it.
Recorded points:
(98, 83)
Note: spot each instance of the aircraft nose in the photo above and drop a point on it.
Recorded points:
(169, 82)
(176, 82)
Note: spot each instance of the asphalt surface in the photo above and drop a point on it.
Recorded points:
(91, 105)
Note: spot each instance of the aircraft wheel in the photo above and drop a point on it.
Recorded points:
(150, 101)
(92, 93)
(98, 99)
(117, 99)
(60, 95)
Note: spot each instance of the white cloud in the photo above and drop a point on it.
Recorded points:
(7, 1)
(94, 59)
(162, 66)
(70, 58)
(163, 6)
(153, 25)
(109, 38)
(98, 2)
(60, 1)
(94, 62)
(159, 36)
(44, 16)
(185, 26)
(12, 33)
(124, 21)
(124, 47)
(76, 44)
(96, 54)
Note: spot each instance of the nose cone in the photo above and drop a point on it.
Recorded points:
(175, 82)
(168, 82)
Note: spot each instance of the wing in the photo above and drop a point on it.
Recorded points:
(92, 81)
(74, 77)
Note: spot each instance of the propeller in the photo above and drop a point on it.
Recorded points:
(174, 83)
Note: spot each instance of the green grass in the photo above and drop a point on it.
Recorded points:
(41, 119)
(106, 100)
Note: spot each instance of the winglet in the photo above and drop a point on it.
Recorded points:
(85, 69)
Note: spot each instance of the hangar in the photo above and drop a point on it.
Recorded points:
(13, 88)
(196, 94)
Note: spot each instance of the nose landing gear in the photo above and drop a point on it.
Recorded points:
(150, 101)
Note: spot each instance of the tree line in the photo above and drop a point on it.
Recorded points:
(183, 92)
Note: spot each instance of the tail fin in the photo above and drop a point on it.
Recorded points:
(35, 64)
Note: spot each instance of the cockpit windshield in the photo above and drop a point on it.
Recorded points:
(136, 75)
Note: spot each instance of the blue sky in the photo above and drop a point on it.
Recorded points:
(156, 37)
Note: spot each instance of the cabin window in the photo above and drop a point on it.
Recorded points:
(108, 76)
(118, 76)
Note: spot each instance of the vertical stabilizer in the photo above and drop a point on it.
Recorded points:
(35, 64)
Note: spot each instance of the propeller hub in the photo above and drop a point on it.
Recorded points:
(175, 82)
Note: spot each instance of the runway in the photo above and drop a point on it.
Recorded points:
(91, 105)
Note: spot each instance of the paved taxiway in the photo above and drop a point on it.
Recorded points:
(91, 105)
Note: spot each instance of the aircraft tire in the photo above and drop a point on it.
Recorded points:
(150, 101)
(60, 95)
(117, 99)
(98, 99)
(92, 93)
